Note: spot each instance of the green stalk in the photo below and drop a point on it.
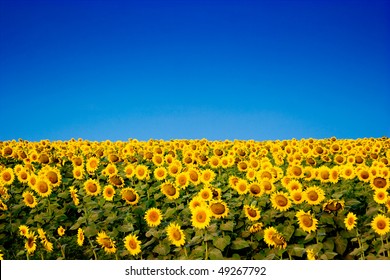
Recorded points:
(362, 257)
(93, 248)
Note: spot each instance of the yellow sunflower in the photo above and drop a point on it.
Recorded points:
(200, 217)
(379, 183)
(169, 190)
(219, 209)
(280, 201)
(108, 192)
(194, 176)
(380, 196)
(141, 172)
(297, 196)
(130, 196)
(30, 244)
(92, 164)
(175, 234)
(307, 221)
(182, 180)
(60, 231)
(110, 170)
(252, 212)
(29, 199)
(78, 172)
(42, 187)
(268, 186)
(207, 176)
(160, 173)
(129, 171)
(242, 186)
(311, 255)
(333, 205)
(195, 202)
(74, 195)
(23, 230)
(153, 217)
(256, 227)
(106, 242)
(132, 244)
(53, 176)
(7, 177)
(314, 195)
(294, 185)
(255, 189)
(92, 187)
(350, 221)
(269, 233)
(381, 224)
(206, 194)
(23, 176)
(80, 237)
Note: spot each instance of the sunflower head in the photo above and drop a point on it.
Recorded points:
(108, 192)
(92, 187)
(251, 212)
(175, 234)
(350, 221)
(306, 221)
(130, 196)
(153, 217)
(333, 205)
(219, 209)
(200, 217)
(314, 195)
(132, 244)
(280, 201)
(381, 224)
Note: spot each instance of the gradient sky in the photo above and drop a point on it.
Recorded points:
(188, 69)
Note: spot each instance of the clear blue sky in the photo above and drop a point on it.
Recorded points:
(194, 69)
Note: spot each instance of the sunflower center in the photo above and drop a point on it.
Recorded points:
(30, 242)
(381, 224)
(176, 235)
(6, 176)
(251, 212)
(351, 221)
(201, 217)
(43, 188)
(297, 171)
(132, 244)
(242, 187)
(281, 200)
(23, 175)
(325, 175)
(116, 180)
(92, 187)
(218, 208)
(267, 186)
(381, 196)
(364, 174)
(153, 216)
(297, 196)
(109, 192)
(307, 221)
(52, 176)
(30, 199)
(194, 176)
(93, 164)
(312, 195)
(255, 189)
(130, 196)
(379, 182)
(205, 195)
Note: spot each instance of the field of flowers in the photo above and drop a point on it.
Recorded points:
(195, 199)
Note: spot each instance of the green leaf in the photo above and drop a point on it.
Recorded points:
(327, 219)
(228, 226)
(126, 228)
(288, 232)
(341, 244)
(328, 255)
(197, 253)
(79, 222)
(162, 249)
(328, 244)
(222, 242)
(297, 250)
(90, 230)
(215, 254)
(239, 244)
(169, 213)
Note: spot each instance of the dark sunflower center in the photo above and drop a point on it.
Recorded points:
(176, 235)
(312, 195)
(379, 182)
(218, 208)
(281, 200)
(307, 221)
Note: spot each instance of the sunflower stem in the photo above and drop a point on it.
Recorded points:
(362, 257)
(93, 248)
(207, 253)
(383, 247)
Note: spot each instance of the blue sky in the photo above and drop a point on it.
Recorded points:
(211, 69)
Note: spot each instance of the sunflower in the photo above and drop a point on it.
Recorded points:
(252, 213)
(110, 170)
(306, 221)
(206, 194)
(334, 175)
(23, 176)
(279, 241)
(53, 176)
(175, 234)
(219, 209)
(388, 203)
(78, 172)
(314, 195)
(174, 168)
(379, 183)
(348, 172)
(153, 217)
(160, 173)
(92, 164)
(280, 201)
(242, 186)
(200, 217)
(268, 236)
(255, 189)
(311, 255)
(207, 176)
(158, 160)
(32, 180)
(182, 180)
(1, 256)
(141, 172)
(169, 190)
(61, 231)
(233, 180)
(294, 185)
(195, 202)
(74, 195)
(92, 187)
(323, 174)
(350, 221)
(30, 244)
(268, 186)
(129, 171)
(132, 244)
(23, 230)
(333, 205)
(297, 196)
(256, 227)
(381, 224)
(106, 243)
(42, 187)
(130, 196)
(108, 192)
(217, 192)
(380, 196)
(194, 176)
(80, 237)
(295, 171)
(29, 199)
(7, 177)
(214, 162)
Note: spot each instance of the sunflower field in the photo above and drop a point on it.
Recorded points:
(195, 199)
